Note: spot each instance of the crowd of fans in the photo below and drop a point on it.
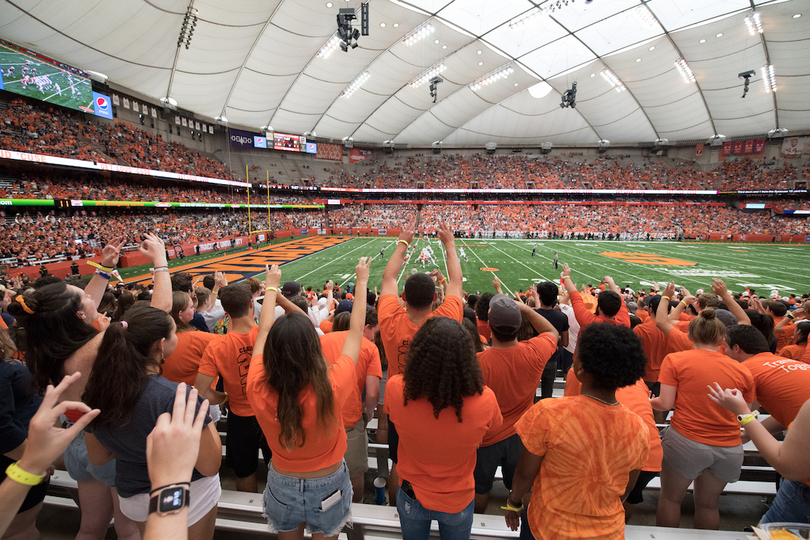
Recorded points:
(323, 361)
(34, 238)
(32, 128)
(58, 132)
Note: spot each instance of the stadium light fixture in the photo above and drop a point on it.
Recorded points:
(614, 81)
(221, 119)
(433, 71)
(685, 70)
(493, 76)
(522, 21)
(754, 24)
(768, 78)
(645, 17)
(419, 33)
(330, 47)
(355, 84)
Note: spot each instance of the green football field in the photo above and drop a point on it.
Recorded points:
(83, 98)
(637, 264)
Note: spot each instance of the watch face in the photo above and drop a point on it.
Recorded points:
(171, 500)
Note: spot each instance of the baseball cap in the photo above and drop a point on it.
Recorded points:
(291, 288)
(726, 317)
(504, 314)
(344, 305)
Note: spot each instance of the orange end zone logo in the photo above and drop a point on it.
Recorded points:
(488, 269)
(648, 258)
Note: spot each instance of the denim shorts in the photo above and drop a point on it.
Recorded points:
(290, 501)
(78, 465)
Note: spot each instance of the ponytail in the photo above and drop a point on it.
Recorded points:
(121, 369)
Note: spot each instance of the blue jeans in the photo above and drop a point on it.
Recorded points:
(414, 519)
(792, 504)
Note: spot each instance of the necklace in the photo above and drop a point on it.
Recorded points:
(601, 400)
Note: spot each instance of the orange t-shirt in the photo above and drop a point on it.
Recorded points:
(325, 326)
(635, 397)
(513, 375)
(806, 356)
(643, 315)
(794, 352)
(483, 329)
(782, 385)
(588, 451)
(585, 317)
(184, 363)
(678, 341)
(655, 345)
(697, 417)
(320, 449)
(368, 363)
(785, 337)
(229, 357)
(397, 330)
(437, 455)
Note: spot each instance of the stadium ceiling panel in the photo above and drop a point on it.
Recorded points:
(257, 63)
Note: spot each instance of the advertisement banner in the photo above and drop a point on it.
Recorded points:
(359, 154)
(101, 106)
(241, 139)
(795, 147)
(333, 152)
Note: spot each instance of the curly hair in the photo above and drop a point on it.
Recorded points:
(612, 354)
(482, 306)
(443, 375)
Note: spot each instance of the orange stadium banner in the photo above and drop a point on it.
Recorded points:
(332, 152)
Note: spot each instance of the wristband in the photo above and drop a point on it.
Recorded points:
(511, 507)
(268, 289)
(105, 275)
(665, 296)
(99, 266)
(791, 316)
(684, 303)
(161, 269)
(443, 280)
(745, 419)
(403, 242)
(14, 472)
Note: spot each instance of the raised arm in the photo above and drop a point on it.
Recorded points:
(719, 288)
(154, 248)
(109, 258)
(271, 294)
(389, 279)
(453, 265)
(538, 322)
(789, 458)
(612, 284)
(662, 315)
(351, 347)
(566, 276)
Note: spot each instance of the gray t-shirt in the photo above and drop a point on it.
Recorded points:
(128, 442)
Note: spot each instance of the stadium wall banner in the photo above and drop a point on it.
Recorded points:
(795, 147)
(241, 139)
(359, 154)
(510, 191)
(331, 152)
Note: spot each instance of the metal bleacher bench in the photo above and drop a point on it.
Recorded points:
(242, 512)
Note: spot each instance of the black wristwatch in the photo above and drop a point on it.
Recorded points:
(169, 499)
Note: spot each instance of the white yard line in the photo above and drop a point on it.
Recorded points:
(504, 285)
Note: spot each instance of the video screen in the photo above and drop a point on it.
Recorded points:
(312, 148)
(290, 143)
(33, 75)
(259, 141)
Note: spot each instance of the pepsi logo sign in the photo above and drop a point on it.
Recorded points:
(102, 103)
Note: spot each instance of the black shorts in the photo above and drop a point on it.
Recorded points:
(242, 445)
(636, 496)
(35, 495)
(504, 453)
(393, 440)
